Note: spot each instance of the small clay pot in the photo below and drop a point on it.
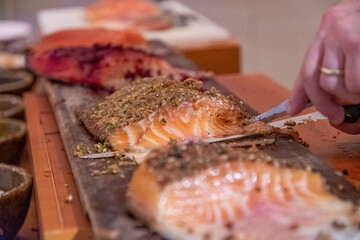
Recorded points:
(12, 140)
(11, 106)
(15, 194)
(15, 81)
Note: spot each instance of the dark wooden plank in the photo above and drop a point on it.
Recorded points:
(103, 196)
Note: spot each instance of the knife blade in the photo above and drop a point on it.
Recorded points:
(274, 113)
(352, 113)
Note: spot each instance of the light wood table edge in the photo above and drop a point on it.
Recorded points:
(52, 224)
(219, 57)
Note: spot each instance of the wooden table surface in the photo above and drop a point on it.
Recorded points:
(57, 218)
(208, 56)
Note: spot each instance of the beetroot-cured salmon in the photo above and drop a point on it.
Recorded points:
(153, 112)
(199, 191)
(105, 65)
(140, 14)
(89, 37)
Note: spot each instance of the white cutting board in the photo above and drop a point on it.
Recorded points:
(197, 32)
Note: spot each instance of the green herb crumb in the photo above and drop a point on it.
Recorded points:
(102, 147)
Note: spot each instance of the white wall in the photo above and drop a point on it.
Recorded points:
(274, 34)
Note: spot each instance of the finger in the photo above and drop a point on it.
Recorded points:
(298, 98)
(352, 75)
(325, 103)
(308, 73)
(335, 85)
(309, 69)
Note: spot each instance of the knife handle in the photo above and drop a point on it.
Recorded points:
(352, 113)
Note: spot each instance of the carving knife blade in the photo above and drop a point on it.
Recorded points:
(352, 113)
(274, 113)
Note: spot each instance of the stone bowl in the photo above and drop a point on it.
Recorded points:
(15, 81)
(12, 140)
(11, 106)
(15, 194)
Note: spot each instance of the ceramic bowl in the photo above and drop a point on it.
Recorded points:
(15, 194)
(15, 81)
(11, 106)
(12, 140)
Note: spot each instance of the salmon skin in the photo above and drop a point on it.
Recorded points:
(89, 37)
(201, 191)
(105, 66)
(155, 111)
(138, 14)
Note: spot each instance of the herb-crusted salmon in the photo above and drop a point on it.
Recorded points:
(154, 111)
(202, 191)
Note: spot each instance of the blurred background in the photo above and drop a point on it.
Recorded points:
(274, 35)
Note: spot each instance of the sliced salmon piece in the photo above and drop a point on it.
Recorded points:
(105, 65)
(140, 14)
(202, 191)
(172, 111)
(189, 121)
(89, 37)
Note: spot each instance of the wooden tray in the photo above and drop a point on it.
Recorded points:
(103, 196)
(341, 153)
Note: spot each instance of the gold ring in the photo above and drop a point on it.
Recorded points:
(331, 72)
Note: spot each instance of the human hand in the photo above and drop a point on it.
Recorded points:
(336, 46)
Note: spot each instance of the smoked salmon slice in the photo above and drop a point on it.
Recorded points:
(153, 112)
(140, 14)
(89, 37)
(105, 65)
(203, 191)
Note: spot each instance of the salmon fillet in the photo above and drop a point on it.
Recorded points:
(89, 37)
(140, 14)
(153, 112)
(105, 65)
(202, 191)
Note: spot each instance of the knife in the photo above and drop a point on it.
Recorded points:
(352, 113)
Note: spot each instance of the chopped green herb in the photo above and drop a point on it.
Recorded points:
(113, 126)
(103, 147)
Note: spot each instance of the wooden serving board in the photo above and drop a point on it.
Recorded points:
(103, 196)
(342, 152)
